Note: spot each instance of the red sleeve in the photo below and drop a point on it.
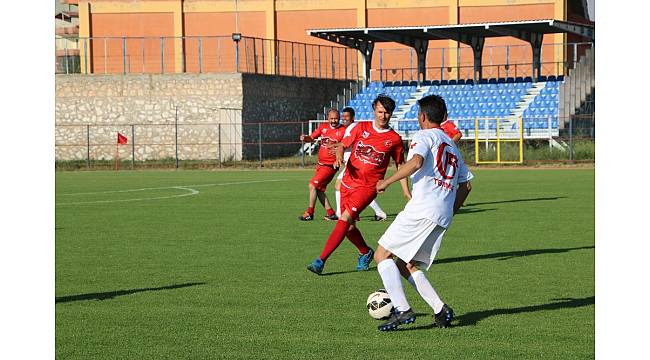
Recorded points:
(316, 133)
(450, 129)
(398, 152)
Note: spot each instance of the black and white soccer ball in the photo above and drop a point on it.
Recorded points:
(379, 304)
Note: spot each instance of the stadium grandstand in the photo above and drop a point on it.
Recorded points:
(506, 68)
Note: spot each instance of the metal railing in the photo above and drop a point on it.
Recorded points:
(212, 54)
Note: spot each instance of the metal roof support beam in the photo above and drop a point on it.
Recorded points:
(476, 42)
(418, 44)
(583, 31)
(364, 46)
(533, 38)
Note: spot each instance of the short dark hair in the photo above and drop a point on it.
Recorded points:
(349, 110)
(434, 108)
(386, 102)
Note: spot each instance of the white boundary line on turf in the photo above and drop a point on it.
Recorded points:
(188, 188)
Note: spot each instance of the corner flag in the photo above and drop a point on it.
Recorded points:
(121, 139)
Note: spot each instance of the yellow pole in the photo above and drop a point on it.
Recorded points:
(521, 140)
(476, 139)
(498, 143)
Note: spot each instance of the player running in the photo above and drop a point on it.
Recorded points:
(372, 145)
(330, 132)
(347, 118)
(436, 167)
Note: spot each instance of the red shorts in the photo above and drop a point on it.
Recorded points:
(357, 199)
(324, 174)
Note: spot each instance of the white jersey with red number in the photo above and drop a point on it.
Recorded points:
(435, 183)
(328, 135)
(370, 152)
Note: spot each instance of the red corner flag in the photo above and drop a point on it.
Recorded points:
(121, 139)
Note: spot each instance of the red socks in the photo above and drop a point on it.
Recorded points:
(310, 210)
(330, 212)
(335, 239)
(356, 238)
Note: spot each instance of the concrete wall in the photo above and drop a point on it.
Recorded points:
(218, 115)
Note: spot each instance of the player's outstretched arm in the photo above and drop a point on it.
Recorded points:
(461, 195)
(306, 138)
(405, 184)
(339, 157)
(402, 172)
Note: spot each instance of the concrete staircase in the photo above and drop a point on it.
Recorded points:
(401, 111)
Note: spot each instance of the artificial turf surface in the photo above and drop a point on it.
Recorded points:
(211, 264)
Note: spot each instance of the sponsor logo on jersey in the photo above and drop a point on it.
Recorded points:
(368, 154)
(447, 165)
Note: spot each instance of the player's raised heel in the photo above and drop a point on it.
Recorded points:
(444, 317)
(396, 319)
(332, 217)
(364, 260)
(316, 266)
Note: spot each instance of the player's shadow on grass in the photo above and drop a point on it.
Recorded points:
(472, 318)
(113, 294)
(510, 254)
(516, 200)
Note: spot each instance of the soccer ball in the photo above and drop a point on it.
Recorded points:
(379, 304)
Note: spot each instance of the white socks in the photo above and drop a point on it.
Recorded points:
(338, 203)
(392, 280)
(424, 288)
(377, 209)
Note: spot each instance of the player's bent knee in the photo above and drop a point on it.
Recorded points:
(381, 254)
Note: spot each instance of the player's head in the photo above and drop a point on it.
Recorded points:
(347, 116)
(383, 107)
(333, 117)
(432, 109)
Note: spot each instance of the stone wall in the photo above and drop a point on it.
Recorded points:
(210, 116)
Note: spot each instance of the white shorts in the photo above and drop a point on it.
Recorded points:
(415, 240)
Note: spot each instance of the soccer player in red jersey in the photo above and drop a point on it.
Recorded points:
(330, 132)
(372, 145)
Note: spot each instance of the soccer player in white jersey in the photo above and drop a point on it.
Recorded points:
(347, 119)
(436, 168)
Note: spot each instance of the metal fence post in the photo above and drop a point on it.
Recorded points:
(442, 65)
(293, 72)
(570, 137)
(302, 143)
(143, 59)
(219, 142)
(86, 56)
(259, 141)
(200, 55)
(88, 146)
(162, 55)
(124, 54)
(332, 59)
(132, 147)
(176, 134)
(306, 72)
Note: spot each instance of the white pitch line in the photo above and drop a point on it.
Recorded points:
(188, 188)
(168, 187)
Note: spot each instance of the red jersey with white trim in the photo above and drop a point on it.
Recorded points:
(328, 135)
(371, 150)
(450, 128)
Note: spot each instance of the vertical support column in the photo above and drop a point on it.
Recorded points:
(124, 55)
(200, 55)
(84, 33)
(132, 147)
(477, 48)
(536, 44)
(421, 51)
(179, 37)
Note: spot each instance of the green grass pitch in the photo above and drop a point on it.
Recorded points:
(211, 265)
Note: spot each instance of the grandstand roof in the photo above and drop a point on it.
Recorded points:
(473, 35)
(449, 32)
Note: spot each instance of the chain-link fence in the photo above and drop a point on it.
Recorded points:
(271, 144)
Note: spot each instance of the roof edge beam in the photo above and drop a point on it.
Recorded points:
(584, 31)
